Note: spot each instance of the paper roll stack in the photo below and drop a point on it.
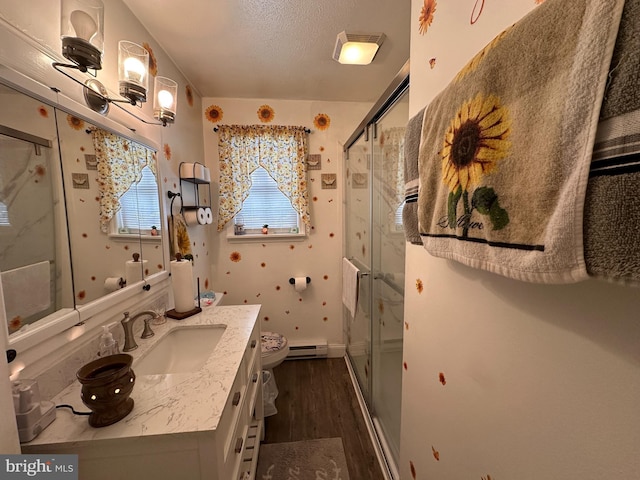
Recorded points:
(195, 170)
(182, 285)
(133, 271)
(208, 216)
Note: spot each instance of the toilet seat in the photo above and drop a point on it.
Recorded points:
(275, 349)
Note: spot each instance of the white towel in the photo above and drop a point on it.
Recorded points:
(27, 290)
(350, 275)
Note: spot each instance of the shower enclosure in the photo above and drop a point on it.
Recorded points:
(375, 244)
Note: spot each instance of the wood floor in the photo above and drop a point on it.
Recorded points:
(316, 400)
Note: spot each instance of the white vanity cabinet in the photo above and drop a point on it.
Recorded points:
(204, 427)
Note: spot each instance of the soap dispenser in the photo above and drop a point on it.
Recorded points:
(108, 344)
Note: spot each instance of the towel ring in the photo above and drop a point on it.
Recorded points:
(173, 196)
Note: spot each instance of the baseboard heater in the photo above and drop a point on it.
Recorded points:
(313, 350)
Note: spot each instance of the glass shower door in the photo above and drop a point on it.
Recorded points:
(388, 255)
(358, 251)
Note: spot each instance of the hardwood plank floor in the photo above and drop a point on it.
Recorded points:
(317, 400)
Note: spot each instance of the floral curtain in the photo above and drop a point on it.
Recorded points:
(280, 150)
(120, 163)
(392, 171)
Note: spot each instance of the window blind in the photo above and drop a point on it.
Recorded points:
(267, 205)
(139, 205)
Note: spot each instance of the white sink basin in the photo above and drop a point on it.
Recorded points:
(182, 350)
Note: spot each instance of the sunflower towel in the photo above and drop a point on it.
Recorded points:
(506, 147)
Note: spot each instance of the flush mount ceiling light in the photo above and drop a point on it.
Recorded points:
(357, 48)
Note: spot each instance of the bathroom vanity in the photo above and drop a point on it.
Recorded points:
(204, 423)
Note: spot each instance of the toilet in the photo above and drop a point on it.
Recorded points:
(275, 349)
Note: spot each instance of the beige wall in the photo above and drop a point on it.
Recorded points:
(540, 381)
(262, 273)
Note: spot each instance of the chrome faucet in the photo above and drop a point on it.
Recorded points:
(127, 324)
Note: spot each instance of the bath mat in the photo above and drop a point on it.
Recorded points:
(321, 458)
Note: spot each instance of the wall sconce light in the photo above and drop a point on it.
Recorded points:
(357, 48)
(133, 71)
(165, 94)
(82, 34)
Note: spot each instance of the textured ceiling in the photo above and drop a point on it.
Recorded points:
(277, 48)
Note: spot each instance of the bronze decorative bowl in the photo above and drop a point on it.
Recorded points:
(106, 385)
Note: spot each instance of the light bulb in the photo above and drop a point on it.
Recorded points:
(165, 99)
(352, 53)
(134, 69)
(83, 25)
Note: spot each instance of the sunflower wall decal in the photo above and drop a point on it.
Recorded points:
(75, 122)
(266, 113)
(322, 121)
(426, 15)
(189, 93)
(475, 141)
(153, 64)
(214, 113)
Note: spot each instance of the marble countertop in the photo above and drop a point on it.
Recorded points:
(171, 403)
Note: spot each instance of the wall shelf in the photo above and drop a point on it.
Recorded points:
(194, 174)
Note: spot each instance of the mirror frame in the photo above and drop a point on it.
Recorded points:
(57, 327)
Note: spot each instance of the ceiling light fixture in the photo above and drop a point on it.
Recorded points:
(357, 48)
(81, 31)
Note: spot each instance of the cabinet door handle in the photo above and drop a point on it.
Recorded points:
(253, 343)
(239, 445)
(236, 399)
(254, 378)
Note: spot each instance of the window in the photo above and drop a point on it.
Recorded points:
(139, 207)
(4, 215)
(398, 218)
(266, 205)
(263, 179)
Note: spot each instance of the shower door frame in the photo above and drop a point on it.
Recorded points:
(365, 386)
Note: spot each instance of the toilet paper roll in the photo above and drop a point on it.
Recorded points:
(134, 271)
(206, 174)
(182, 285)
(187, 170)
(111, 284)
(199, 171)
(208, 215)
(300, 284)
(195, 217)
(202, 216)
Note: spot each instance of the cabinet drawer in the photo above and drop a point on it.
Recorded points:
(232, 411)
(238, 444)
(253, 351)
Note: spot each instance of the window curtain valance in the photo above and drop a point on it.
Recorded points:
(280, 150)
(120, 162)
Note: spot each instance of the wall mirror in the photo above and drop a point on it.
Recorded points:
(59, 250)
(34, 253)
(113, 208)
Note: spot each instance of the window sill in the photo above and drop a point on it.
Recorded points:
(131, 237)
(269, 237)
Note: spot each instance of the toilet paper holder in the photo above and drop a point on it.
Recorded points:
(292, 280)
